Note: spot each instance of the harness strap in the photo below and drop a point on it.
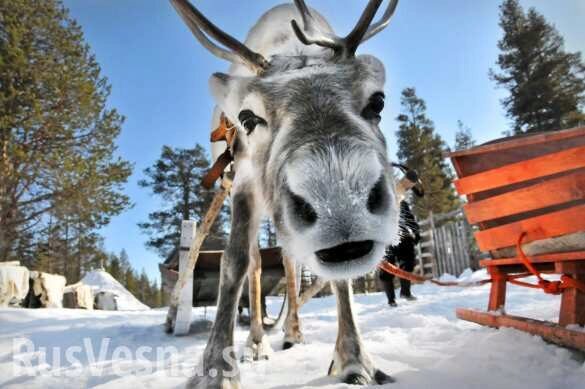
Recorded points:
(550, 287)
(226, 131)
(398, 272)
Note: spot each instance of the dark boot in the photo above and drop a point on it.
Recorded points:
(405, 290)
(390, 294)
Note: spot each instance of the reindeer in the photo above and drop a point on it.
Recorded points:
(308, 152)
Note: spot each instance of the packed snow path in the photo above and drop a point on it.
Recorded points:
(420, 343)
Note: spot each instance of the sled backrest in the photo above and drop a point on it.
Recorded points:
(531, 184)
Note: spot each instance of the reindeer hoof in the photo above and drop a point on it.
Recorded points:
(355, 379)
(382, 378)
(291, 339)
(257, 350)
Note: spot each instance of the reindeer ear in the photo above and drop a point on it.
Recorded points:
(228, 92)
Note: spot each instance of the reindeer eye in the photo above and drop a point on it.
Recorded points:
(374, 108)
(249, 120)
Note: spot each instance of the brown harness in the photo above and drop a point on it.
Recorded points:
(226, 131)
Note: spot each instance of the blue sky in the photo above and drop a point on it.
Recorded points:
(159, 74)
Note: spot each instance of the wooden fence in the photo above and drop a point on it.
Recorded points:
(446, 245)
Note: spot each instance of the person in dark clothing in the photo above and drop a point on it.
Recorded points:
(402, 255)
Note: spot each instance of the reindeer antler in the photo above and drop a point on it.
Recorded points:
(343, 47)
(200, 26)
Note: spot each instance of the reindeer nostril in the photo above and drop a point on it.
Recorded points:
(378, 198)
(302, 210)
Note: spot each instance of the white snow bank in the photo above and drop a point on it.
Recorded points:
(49, 288)
(102, 281)
(13, 283)
(468, 276)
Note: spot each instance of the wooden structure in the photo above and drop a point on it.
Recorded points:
(532, 187)
(445, 245)
(202, 285)
(78, 296)
(206, 275)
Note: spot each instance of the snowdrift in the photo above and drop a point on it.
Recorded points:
(101, 281)
(13, 283)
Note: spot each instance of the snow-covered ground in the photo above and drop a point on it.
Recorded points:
(421, 344)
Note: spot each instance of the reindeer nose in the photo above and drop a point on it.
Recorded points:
(303, 213)
(345, 252)
(378, 198)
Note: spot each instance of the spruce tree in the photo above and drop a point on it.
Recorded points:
(124, 260)
(60, 180)
(176, 178)
(546, 84)
(463, 137)
(421, 148)
(114, 268)
(130, 281)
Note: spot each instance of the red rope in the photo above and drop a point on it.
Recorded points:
(550, 287)
(398, 272)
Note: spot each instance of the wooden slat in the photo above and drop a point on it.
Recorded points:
(546, 165)
(544, 258)
(544, 194)
(521, 141)
(547, 330)
(550, 225)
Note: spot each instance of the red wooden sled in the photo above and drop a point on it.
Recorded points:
(531, 187)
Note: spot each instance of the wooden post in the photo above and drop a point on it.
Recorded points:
(433, 248)
(573, 300)
(183, 319)
(187, 272)
(498, 289)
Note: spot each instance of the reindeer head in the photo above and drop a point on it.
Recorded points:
(308, 131)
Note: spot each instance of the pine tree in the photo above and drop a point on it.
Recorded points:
(114, 268)
(124, 260)
(176, 177)
(463, 137)
(130, 282)
(60, 178)
(267, 234)
(546, 83)
(421, 149)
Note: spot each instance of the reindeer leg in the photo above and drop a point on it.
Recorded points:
(292, 328)
(350, 360)
(257, 345)
(219, 369)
